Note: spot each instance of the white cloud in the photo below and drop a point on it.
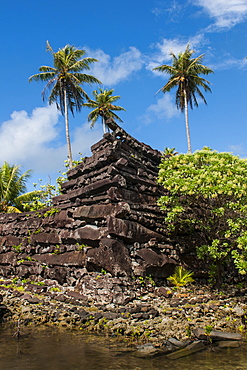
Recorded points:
(23, 136)
(226, 13)
(29, 140)
(176, 46)
(171, 8)
(229, 62)
(111, 71)
(84, 137)
(164, 109)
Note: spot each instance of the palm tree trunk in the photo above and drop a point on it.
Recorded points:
(104, 125)
(66, 116)
(187, 121)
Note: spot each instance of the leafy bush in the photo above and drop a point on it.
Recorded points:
(207, 197)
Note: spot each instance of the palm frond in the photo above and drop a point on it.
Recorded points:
(44, 76)
(12, 185)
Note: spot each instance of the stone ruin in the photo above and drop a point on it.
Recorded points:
(106, 219)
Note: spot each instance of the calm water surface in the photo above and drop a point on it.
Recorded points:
(54, 350)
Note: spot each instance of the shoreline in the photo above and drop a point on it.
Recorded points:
(152, 319)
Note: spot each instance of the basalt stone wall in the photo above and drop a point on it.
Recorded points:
(105, 218)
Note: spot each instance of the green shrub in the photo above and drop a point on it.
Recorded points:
(181, 277)
(206, 194)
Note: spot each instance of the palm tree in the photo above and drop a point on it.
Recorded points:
(168, 153)
(64, 80)
(184, 73)
(103, 107)
(13, 194)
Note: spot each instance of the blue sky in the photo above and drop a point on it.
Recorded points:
(128, 38)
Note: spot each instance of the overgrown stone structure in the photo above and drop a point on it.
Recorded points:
(106, 219)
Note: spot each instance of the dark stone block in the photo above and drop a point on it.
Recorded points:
(45, 238)
(10, 240)
(112, 256)
(130, 231)
(77, 296)
(56, 273)
(167, 293)
(150, 257)
(101, 211)
(8, 258)
(130, 195)
(216, 335)
(61, 219)
(73, 258)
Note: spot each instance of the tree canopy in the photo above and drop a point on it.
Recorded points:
(207, 195)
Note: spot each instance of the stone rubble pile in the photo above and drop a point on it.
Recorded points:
(144, 316)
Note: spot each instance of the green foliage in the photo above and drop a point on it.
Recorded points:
(51, 212)
(188, 331)
(28, 258)
(46, 192)
(40, 283)
(168, 153)
(207, 195)
(150, 280)
(102, 272)
(81, 247)
(24, 281)
(146, 280)
(208, 329)
(241, 328)
(44, 196)
(240, 285)
(55, 289)
(38, 231)
(181, 277)
(142, 280)
(23, 260)
(75, 163)
(57, 249)
(17, 248)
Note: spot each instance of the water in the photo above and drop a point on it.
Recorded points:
(55, 350)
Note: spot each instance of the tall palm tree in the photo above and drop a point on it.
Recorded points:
(184, 73)
(13, 194)
(103, 107)
(64, 81)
